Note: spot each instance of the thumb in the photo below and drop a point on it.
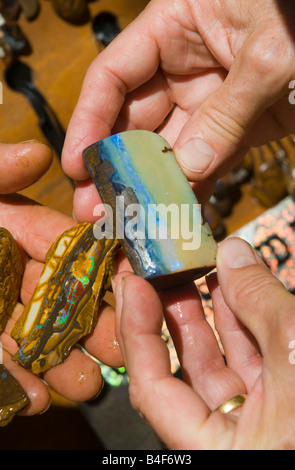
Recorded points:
(257, 298)
(213, 141)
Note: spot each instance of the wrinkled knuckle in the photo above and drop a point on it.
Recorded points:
(249, 286)
(269, 59)
(255, 288)
(259, 59)
(266, 299)
(223, 123)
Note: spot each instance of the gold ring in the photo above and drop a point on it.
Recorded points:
(231, 405)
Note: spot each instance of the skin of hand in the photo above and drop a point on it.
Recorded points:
(35, 228)
(222, 70)
(254, 318)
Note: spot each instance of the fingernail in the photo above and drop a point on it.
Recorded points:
(195, 156)
(235, 253)
(114, 284)
(74, 216)
(100, 390)
(47, 407)
(35, 141)
(117, 285)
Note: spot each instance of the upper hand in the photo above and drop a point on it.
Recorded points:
(223, 67)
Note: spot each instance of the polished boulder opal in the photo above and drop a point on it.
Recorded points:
(151, 208)
(66, 301)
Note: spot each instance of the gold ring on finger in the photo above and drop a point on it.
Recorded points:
(232, 404)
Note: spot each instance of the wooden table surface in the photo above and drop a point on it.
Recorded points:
(61, 54)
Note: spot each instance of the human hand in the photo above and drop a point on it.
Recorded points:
(223, 67)
(254, 316)
(35, 228)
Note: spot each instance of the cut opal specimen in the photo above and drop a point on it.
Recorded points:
(65, 303)
(155, 213)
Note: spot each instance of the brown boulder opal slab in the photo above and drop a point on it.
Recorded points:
(65, 303)
(155, 213)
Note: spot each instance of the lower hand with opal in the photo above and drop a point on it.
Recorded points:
(34, 228)
(239, 396)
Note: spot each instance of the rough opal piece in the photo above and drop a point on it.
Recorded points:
(65, 303)
(11, 270)
(12, 397)
(164, 235)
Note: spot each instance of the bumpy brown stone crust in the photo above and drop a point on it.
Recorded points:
(10, 275)
(12, 397)
(64, 306)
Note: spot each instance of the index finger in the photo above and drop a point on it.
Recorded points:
(128, 62)
(33, 226)
(176, 412)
